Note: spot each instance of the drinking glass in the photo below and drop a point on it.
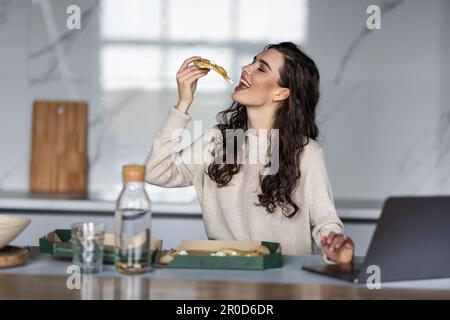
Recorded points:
(87, 245)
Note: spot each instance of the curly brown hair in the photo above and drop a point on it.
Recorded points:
(295, 121)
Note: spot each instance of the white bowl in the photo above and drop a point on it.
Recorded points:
(10, 228)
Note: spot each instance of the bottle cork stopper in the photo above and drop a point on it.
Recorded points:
(133, 173)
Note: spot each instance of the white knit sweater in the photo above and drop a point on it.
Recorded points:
(230, 213)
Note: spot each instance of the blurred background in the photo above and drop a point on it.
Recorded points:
(384, 114)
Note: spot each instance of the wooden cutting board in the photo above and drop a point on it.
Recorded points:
(12, 256)
(59, 147)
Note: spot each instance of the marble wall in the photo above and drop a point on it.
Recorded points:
(384, 118)
(384, 114)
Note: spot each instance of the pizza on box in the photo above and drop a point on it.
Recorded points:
(223, 252)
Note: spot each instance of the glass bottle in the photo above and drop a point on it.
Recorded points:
(133, 223)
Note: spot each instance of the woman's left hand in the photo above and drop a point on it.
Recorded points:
(338, 247)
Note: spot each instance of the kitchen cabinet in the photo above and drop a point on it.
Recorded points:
(171, 222)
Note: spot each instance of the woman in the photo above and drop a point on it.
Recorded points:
(278, 93)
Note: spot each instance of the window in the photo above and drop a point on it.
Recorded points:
(145, 41)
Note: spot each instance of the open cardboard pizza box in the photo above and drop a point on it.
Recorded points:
(203, 254)
(57, 243)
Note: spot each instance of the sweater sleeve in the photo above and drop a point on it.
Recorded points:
(167, 167)
(323, 215)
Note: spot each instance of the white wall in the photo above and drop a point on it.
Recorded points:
(14, 109)
(381, 123)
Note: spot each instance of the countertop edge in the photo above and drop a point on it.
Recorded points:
(24, 203)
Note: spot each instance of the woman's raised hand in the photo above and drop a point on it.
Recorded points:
(187, 78)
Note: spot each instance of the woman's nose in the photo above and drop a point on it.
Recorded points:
(246, 68)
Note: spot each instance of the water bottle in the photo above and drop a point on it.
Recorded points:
(133, 223)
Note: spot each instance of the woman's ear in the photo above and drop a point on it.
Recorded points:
(282, 94)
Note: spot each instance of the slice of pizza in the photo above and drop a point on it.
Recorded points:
(258, 251)
(205, 63)
(168, 257)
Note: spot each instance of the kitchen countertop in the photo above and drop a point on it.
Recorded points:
(367, 210)
(45, 277)
(23, 200)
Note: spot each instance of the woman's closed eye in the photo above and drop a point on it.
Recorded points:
(259, 68)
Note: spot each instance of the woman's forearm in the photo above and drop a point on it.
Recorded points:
(162, 167)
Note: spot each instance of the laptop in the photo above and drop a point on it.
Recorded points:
(411, 242)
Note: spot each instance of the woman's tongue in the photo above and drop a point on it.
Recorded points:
(241, 86)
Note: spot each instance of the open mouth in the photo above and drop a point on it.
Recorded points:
(243, 85)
